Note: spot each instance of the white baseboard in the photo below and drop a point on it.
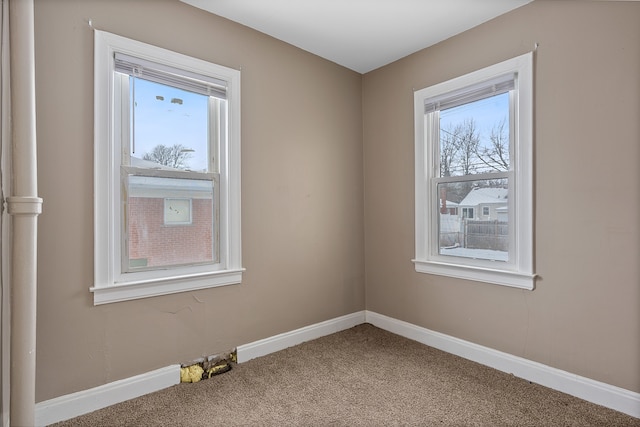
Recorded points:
(600, 393)
(76, 404)
(82, 402)
(289, 339)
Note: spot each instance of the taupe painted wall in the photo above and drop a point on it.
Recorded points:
(302, 197)
(584, 315)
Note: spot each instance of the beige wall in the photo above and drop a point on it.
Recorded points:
(302, 198)
(584, 315)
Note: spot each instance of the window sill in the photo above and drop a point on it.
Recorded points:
(135, 290)
(514, 279)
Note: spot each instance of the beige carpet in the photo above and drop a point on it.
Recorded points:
(363, 376)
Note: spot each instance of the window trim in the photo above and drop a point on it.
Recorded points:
(107, 264)
(518, 273)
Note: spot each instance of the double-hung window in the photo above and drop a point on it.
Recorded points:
(166, 172)
(474, 149)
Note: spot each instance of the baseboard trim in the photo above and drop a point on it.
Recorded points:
(600, 393)
(76, 404)
(289, 339)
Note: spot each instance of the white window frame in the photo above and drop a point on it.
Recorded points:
(111, 283)
(518, 271)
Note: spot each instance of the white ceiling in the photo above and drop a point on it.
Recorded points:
(360, 34)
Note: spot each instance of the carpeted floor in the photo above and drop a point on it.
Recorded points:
(363, 376)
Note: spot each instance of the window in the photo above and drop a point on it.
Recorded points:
(474, 150)
(167, 172)
(178, 212)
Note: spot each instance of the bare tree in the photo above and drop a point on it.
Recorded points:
(469, 142)
(175, 156)
(449, 147)
(496, 155)
(458, 152)
(462, 152)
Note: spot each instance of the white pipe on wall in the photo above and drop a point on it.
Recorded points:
(5, 232)
(24, 205)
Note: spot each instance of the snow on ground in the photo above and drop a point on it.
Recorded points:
(476, 253)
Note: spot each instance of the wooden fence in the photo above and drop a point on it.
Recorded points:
(492, 235)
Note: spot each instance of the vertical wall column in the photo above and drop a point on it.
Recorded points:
(24, 205)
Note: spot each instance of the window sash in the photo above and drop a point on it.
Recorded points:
(217, 129)
(431, 122)
(470, 213)
(163, 173)
(160, 192)
(472, 177)
(476, 92)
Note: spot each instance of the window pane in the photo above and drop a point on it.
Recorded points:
(462, 231)
(474, 137)
(169, 222)
(169, 127)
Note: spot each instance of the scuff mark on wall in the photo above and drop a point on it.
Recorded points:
(187, 307)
